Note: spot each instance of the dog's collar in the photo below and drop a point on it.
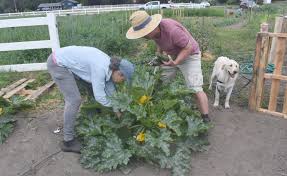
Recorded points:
(220, 81)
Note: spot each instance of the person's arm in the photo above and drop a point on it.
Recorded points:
(99, 85)
(180, 39)
(110, 89)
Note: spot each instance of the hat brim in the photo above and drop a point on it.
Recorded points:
(132, 34)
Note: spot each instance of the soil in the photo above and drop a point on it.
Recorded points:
(242, 143)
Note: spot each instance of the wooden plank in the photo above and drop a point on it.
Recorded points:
(26, 45)
(273, 76)
(278, 114)
(280, 27)
(37, 21)
(23, 67)
(17, 89)
(275, 86)
(12, 86)
(261, 71)
(285, 102)
(41, 90)
(252, 92)
(283, 35)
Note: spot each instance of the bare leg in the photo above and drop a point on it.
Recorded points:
(202, 102)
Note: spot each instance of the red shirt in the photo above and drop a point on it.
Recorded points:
(174, 37)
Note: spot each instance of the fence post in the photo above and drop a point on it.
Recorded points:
(255, 86)
(279, 59)
(280, 27)
(261, 70)
(53, 31)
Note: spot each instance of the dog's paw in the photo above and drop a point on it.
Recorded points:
(227, 106)
(215, 104)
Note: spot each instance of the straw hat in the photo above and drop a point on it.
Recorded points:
(142, 24)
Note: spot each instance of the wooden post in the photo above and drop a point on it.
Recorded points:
(280, 27)
(275, 86)
(53, 31)
(261, 70)
(252, 97)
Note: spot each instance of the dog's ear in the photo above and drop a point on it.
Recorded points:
(223, 66)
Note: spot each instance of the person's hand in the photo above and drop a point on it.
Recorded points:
(170, 62)
(118, 114)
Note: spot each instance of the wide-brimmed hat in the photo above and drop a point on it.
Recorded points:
(142, 24)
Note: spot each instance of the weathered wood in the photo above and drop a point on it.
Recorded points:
(283, 35)
(17, 89)
(252, 92)
(39, 91)
(261, 71)
(274, 76)
(275, 86)
(278, 114)
(25, 92)
(280, 27)
(12, 86)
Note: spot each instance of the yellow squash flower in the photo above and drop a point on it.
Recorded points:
(144, 99)
(1, 111)
(140, 137)
(161, 125)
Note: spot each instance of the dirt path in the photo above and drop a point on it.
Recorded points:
(242, 144)
(236, 25)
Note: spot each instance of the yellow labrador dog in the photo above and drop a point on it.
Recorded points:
(226, 72)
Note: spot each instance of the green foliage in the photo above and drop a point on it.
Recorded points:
(157, 125)
(6, 127)
(7, 122)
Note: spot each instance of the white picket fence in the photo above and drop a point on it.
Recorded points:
(53, 43)
(80, 11)
(91, 10)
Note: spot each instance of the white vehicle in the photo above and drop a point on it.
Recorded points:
(154, 5)
(205, 4)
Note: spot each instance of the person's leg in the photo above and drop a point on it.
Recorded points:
(68, 87)
(191, 70)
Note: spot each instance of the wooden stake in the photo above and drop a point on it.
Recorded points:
(261, 71)
(252, 97)
(280, 27)
(275, 86)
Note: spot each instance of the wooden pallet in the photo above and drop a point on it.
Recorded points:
(18, 87)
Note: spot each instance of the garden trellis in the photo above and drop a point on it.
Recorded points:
(52, 43)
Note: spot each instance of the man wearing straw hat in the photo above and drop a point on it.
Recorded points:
(173, 40)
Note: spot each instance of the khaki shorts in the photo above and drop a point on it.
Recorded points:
(191, 70)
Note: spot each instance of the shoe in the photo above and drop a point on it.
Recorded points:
(205, 118)
(71, 146)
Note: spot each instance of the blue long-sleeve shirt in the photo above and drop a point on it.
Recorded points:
(91, 65)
